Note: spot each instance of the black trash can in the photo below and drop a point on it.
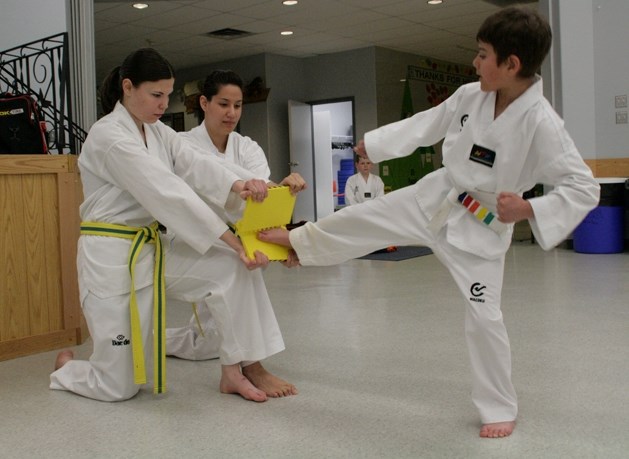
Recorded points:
(602, 231)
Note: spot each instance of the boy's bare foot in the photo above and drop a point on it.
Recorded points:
(497, 429)
(233, 382)
(265, 381)
(276, 236)
(63, 357)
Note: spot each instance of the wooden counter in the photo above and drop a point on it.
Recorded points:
(39, 230)
(609, 167)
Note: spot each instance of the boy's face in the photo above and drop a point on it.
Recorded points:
(492, 76)
(364, 166)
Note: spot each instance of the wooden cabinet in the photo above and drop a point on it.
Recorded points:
(39, 230)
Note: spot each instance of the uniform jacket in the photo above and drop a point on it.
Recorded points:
(242, 155)
(240, 150)
(526, 145)
(356, 187)
(126, 182)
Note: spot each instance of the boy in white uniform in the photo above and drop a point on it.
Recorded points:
(501, 138)
(221, 102)
(363, 185)
(136, 172)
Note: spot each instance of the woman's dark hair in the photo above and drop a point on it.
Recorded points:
(142, 65)
(218, 78)
(213, 83)
(520, 31)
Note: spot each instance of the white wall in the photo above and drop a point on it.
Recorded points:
(24, 21)
(591, 68)
(346, 74)
(611, 75)
(576, 35)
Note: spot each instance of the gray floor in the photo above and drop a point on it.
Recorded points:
(377, 352)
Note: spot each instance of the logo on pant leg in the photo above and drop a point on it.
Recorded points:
(477, 291)
(120, 341)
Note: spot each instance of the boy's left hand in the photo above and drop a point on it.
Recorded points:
(512, 208)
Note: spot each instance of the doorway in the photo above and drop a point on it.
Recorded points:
(322, 136)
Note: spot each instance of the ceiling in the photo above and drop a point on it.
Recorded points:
(179, 28)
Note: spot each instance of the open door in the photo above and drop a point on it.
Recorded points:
(324, 192)
(302, 157)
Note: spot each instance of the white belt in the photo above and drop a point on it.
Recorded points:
(482, 214)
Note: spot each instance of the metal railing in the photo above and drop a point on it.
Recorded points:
(41, 69)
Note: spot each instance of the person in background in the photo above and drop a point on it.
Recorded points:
(501, 137)
(221, 103)
(139, 176)
(363, 185)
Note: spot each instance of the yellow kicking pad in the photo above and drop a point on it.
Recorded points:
(275, 211)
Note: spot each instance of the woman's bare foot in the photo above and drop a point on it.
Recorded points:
(63, 357)
(276, 236)
(233, 382)
(497, 429)
(265, 381)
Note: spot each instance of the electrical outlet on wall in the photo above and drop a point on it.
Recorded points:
(621, 101)
(621, 117)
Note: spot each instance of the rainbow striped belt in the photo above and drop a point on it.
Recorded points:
(140, 236)
(482, 213)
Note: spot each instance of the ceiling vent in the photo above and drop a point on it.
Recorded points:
(228, 34)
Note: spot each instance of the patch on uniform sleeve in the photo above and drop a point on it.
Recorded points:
(483, 155)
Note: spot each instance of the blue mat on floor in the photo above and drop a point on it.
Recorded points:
(402, 253)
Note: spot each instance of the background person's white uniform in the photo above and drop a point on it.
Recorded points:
(187, 342)
(129, 183)
(531, 146)
(358, 190)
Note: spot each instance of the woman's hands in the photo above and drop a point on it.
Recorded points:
(256, 189)
(295, 182)
(260, 260)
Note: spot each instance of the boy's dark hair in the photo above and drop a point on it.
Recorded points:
(218, 78)
(142, 65)
(519, 31)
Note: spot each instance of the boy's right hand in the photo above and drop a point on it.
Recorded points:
(360, 149)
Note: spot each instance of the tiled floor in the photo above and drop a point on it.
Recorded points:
(376, 349)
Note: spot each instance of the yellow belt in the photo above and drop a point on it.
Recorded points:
(140, 236)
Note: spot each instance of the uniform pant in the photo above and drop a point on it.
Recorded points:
(188, 342)
(236, 298)
(396, 219)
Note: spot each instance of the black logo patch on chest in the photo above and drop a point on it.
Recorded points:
(483, 155)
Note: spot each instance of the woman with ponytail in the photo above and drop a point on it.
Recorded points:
(140, 178)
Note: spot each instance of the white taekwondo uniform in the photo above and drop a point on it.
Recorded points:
(358, 190)
(126, 182)
(527, 144)
(187, 342)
